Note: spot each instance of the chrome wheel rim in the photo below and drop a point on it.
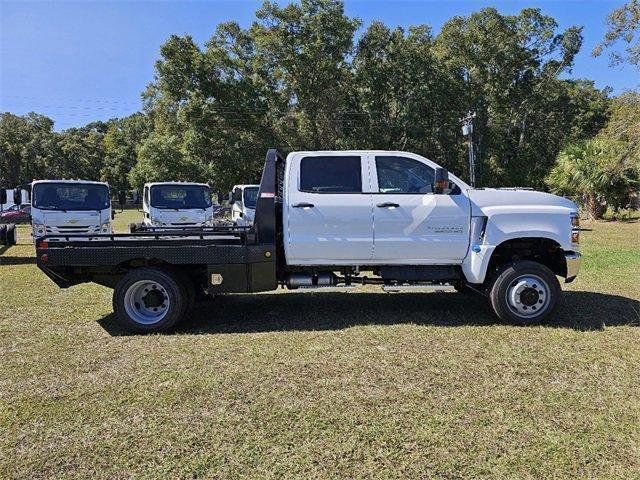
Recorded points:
(146, 302)
(528, 296)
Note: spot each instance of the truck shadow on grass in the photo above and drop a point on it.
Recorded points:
(582, 311)
(7, 260)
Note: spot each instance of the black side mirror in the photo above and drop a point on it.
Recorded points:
(3, 196)
(220, 198)
(17, 196)
(113, 214)
(441, 180)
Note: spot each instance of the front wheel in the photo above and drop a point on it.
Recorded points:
(148, 300)
(525, 292)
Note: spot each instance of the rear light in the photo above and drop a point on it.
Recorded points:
(43, 244)
(44, 258)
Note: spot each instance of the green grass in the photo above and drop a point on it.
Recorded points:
(324, 385)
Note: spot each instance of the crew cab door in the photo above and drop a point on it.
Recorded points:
(328, 210)
(412, 225)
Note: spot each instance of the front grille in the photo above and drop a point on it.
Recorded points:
(71, 229)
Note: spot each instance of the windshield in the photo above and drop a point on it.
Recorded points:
(251, 197)
(180, 196)
(70, 196)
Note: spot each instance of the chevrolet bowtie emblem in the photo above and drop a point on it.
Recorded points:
(183, 218)
(73, 221)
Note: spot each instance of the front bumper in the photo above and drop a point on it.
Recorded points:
(573, 265)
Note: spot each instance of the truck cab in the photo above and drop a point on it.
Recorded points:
(69, 207)
(243, 200)
(177, 204)
(388, 210)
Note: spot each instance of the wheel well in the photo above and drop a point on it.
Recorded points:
(542, 250)
(195, 273)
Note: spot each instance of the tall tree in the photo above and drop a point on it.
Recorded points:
(623, 25)
(510, 66)
(27, 146)
(80, 152)
(404, 98)
(121, 143)
(305, 49)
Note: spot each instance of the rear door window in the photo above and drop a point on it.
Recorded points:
(331, 174)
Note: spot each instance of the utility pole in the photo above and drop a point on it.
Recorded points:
(467, 130)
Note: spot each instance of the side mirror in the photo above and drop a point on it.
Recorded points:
(3, 196)
(230, 198)
(441, 180)
(220, 198)
(17, 196)
(113, 214)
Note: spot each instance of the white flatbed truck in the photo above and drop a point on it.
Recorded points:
(328, 219)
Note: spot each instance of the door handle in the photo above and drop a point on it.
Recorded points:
(303, 205)
(388, 205)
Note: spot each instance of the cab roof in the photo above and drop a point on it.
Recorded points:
(153, 184)
(92, 182)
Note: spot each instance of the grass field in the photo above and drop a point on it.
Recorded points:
(324, 385)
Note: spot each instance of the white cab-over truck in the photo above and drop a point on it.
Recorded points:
(328, 219)
(243, 200)
(70, 207)
(175, 204)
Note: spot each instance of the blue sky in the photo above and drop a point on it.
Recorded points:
(87, 60)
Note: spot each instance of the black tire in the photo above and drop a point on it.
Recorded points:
(534, 303)
(12, 234)
(3, 234)
(188, 291)
(133, 282)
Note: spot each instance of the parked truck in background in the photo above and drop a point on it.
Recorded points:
(243, 200)
(70, 207)
(175, 204)
(328, 219)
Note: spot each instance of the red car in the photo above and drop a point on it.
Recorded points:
(16, 214)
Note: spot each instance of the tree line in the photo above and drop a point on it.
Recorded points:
(308, 76)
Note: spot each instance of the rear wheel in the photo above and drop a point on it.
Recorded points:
(148, 300)
(525, 292)
(188, 291)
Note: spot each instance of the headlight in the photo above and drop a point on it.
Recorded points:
(156, 223)
(105, 227)
(575, 229)
(39, 230)
(575, 220)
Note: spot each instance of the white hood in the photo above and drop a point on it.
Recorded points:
(488, 200)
